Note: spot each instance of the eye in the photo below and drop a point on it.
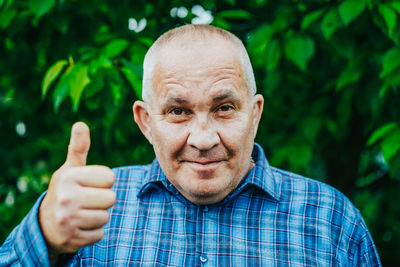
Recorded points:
(177, 111)
(225, 108)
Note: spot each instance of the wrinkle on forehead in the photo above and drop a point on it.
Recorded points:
(203, 68)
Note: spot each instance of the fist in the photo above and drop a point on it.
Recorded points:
(74, 209)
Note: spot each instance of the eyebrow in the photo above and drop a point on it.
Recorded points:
(174, 100)
(224, 96)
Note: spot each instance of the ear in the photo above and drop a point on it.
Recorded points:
(258, 104)
(142, 119)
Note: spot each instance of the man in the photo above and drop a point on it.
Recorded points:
(209, 197)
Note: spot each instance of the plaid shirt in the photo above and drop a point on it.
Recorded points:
(274, 218)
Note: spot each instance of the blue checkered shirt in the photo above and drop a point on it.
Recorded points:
(274, 218)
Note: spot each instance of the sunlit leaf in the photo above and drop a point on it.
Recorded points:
(100, 62)
(61, 91)
(40, 7)
(311, 18)
(392, 79)
(391, 144)
(78, 80)
(381, 132)
(395, 5)
(389, 16)
(330, 23)
(390, 61)
(300, 50)
(51, 75)
(350, 10)
(114, 48)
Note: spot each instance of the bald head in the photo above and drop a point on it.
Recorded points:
(188, 38)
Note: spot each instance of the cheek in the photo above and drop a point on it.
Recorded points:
(168, 138)
(236, 133)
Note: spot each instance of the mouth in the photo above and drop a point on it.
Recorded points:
(203, 167)
(204, 163)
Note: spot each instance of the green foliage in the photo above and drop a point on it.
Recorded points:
(329, 71)
(350, 10)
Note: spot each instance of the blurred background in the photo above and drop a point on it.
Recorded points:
(329, 72)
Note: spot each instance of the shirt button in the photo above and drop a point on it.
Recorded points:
(205, 208)
(203, 259)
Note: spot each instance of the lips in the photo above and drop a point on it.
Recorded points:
(208, 162)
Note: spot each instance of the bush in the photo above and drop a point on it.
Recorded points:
(329, 70)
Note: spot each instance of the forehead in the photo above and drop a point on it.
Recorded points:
(201, 67)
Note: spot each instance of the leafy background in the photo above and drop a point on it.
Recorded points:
(329, 71)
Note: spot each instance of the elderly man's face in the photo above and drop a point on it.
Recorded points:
(202, 120)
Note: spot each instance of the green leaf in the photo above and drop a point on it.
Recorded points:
(40, 7)
(300, 156)
(97, 63)
(134, 75)
(331, 23)
(51, 75)
(6, 16)
(381, 132)
(273, 55)
(61, 90)
(257, 43)
(221, 23)
(116, 93)
(391, 144)
(114, 48)
(389, 16)
(395, 5)
(393, 78)
(350, 10)
(299, 50)
(311, 18)
(390, 61)
(271, 81)
(78, 80)
(349, 75)
(234, 14)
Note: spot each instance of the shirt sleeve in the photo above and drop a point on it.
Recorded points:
(25, 246)
(367, 254)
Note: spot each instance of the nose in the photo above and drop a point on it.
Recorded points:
(203, 134)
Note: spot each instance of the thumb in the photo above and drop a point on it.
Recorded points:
(79, 145)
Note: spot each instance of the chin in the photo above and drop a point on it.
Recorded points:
(211, 188)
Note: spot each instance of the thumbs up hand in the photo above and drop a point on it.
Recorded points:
(74, 209)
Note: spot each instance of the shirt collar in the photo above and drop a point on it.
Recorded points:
(260, 176)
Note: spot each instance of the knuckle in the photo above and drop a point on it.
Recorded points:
(63, 219)
(63, 199)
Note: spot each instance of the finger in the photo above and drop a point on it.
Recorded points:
(97, 198)
(94, 176)
(87, 237)
(79, 145)
(90, 219)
